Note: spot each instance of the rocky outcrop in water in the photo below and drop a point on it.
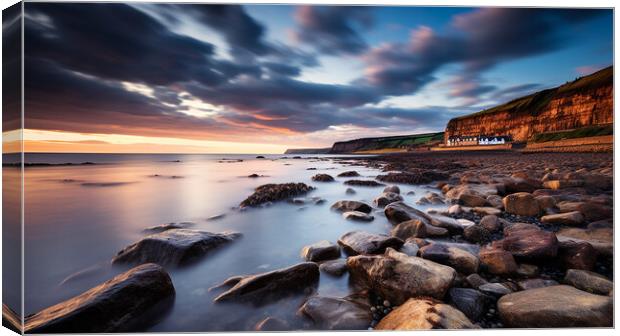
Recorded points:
(275, 192)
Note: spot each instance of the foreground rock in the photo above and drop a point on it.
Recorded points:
(399, 212)
(361, 242)
(410, 229)
(387, 198)
(498, 261)
(329, 313)
(175, 247)
(129, 302)
(398, 277)
(469, 301)
(530, 242)
(577, 255)
(588, 281)
(275, 192)
(522, 204)
(424, 314)
(352, 206)
(320, 251)
(263, 288)
(555, 307)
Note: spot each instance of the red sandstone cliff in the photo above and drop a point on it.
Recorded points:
(584, 102)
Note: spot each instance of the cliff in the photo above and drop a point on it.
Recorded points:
(584, 102)
(400, 143)
(308, 150)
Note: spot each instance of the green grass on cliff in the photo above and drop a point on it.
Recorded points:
(536, 102)
(575, 133)
(369, 144)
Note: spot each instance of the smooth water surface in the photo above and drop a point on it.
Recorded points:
(78, 217)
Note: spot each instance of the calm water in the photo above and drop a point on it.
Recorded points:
(75, 228)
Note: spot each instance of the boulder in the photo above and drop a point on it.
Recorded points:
(323, 178)
(515, 184)
(410, 229)
(495, 201)
(475, 280)
(555, 307)
(498, 261)
(350, 191)
(360, 242)
(334, 267)
(352, 206)
(593, 211)
(588, 281)
(546, 202)
(398, 277)
(358, 216)
(387, 198)
(495, 289)
(477, 234)
(600, 239)
(410, 248)
(522, 204)
(487, 211)
(469, 301)
(471, 200)
(392, 189)
(420, 314)
(435, 231)
(399, 212)
(529, 242)
(577, 255)
(323, 250)
(330, 313)
(461, 260)
(175, 247)
(275, 192)
(480, 190)
(350, 173)
(491, 223)
(448, 223)
(130, 301)
(263, 288)
(573, 218)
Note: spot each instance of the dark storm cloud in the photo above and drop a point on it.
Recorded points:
(478, 41)
(118, 42)
(510, 93)
(333, 29)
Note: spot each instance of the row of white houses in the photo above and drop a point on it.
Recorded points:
(477, 140)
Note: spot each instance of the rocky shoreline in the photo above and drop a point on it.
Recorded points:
(521, 241)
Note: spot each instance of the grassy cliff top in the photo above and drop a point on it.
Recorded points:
(535, 102)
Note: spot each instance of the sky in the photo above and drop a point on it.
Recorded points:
(193, 78)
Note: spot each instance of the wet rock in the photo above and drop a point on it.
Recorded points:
(475, 280)
(462, 261)
(477, 234)
(555, 307)
(577, 255)
(522, 204)
(272, 324)
(330, 313)
(546, 202)
(487, 211)
(588, 281)
(399, 212)
(352, 206)
(418, 177)
(495, 289)
(480, 190)
(528, 241)
(594, 211)
(418, 314)
(275, 192)
(431, 198)
(491, 223)
(536, 283)
(323, 250)
(600, 239)
(350, 191)
(167, 226)
(263, 288)
(410, 229)
(322, 178)
(334, 267)
(397, 277)
(175, 247)
(471, 200)
(471, 302)
(435, 231)
(358, 216)
(574, 218)
(363, 183)
(130, 301)
(392, 189)
(387, 198)
(350, 173)
(498, 261)
(360, 242)
(495, 201)
(448, 223)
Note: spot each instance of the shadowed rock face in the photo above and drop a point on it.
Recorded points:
(267, 287)
(424, 314)
(555, 307)
(128, 302)
(174, 247)
(337, 314)
(399, 212)
(398, 277)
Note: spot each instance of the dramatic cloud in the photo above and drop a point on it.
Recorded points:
(333, 29)
(480, 39)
